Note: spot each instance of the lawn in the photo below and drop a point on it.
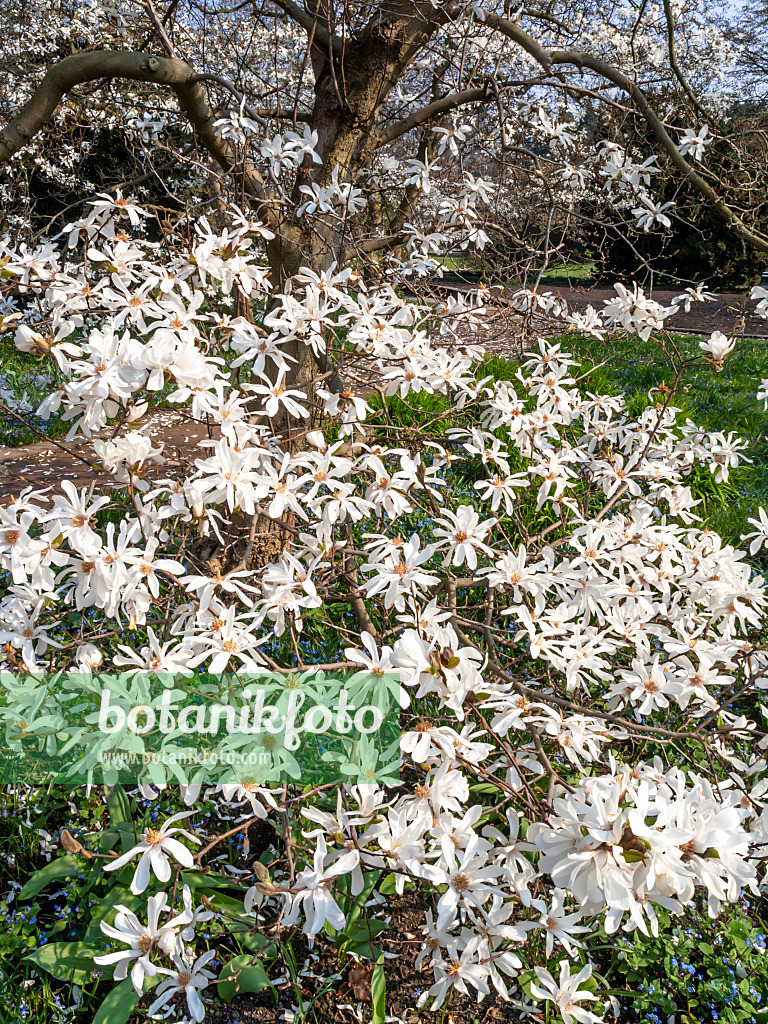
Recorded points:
(569, 273)
(25, 380)
(722, 401)
(557, 273)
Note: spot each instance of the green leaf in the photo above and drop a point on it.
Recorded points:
(354, 908)
(119, 806)
(242, 974)
(256, 943)
(119, 1004)
(389, 886)
(378, 993)
(120, 816)
(358, 939)
(62, 867)
(68, 961)
(104, 841)
(633, 856)
(106, 904)
(211, 880)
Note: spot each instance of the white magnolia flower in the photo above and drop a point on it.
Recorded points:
(464, 536)
(718, 347)
(312, 891)
(566, 994)
(156, 849)
(185, 979)
(558, 925)
(695, 142)
(143, 940)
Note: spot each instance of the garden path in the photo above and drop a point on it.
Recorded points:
(49, 461)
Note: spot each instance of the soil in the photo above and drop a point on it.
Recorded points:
(403, 981)
(47, 462)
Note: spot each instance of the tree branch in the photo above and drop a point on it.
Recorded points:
(369, 245)
(63, 76)
(529, 12)
(517, 35)
(159, 27)
(454, 99)
(673, 59)
(585, 60)
(321, 35)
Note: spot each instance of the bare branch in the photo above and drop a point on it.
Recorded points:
(454, 99)
(312, 24)
(63, 76)
(586, 60)
(517, 35)
(160, 29)
(673, 58)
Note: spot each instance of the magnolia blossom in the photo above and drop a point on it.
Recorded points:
(313, 895)
(695, 142)
(651, 213)
(187, 980)
(464, 535)
(143, 940)
(565, 993)
(718, 347)
(155, 851)
(529, 647)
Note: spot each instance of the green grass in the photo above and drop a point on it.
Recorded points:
(557, 273)
(22, 374)
(570, 271)
(722, 401)
(459, 263)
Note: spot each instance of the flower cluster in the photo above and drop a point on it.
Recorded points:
(533, 572)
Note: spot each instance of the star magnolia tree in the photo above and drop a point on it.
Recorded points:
(579, 659)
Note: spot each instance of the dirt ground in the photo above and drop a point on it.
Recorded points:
(349, 999)
(49, 461)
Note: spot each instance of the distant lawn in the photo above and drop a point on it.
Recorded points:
(565, 272)
(457, 264)
(558, 273)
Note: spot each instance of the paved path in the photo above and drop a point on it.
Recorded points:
(723, 315)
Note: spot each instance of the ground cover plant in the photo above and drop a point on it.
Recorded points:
(534, 568)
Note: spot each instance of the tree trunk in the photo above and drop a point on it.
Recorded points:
(349, 92)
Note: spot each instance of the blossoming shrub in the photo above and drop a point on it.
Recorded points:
(580, 662)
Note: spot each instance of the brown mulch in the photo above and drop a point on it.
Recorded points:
(348, 1001)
